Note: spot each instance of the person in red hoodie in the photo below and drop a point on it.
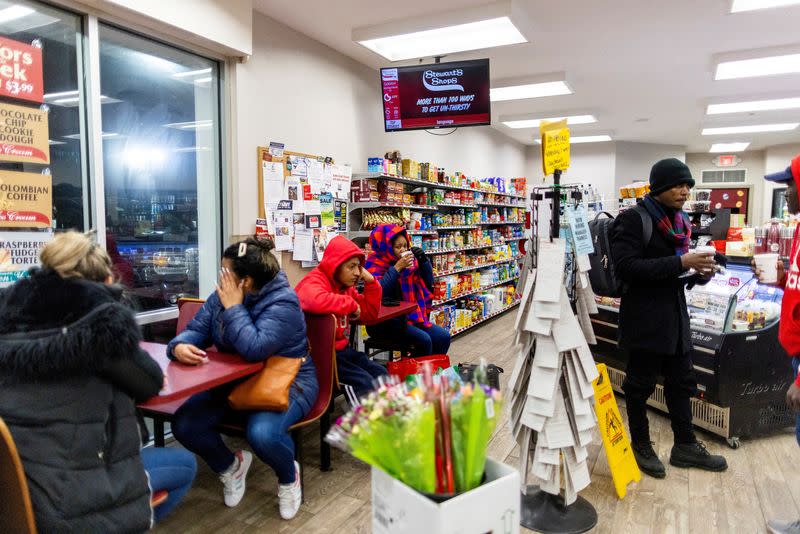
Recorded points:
(789, 329)
(330, 288)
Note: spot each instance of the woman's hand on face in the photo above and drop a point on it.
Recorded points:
(188, 354)
(366, 276)
(230, 293)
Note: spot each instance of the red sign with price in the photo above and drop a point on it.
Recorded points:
(21, 71)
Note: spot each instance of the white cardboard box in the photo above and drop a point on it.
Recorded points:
(492, 507)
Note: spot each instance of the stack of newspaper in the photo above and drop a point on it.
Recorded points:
(550, 389)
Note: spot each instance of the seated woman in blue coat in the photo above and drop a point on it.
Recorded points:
(256, 314)
(406, 274)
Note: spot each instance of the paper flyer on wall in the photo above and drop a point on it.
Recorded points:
(299, 166)
(326, 209)
(314, 175)
(340, 215)
(341, 175)
(327, 178)
(312, 207)
(284, 225)
(303, 245)
(272, 176)
(262, 228)
(19, 251)
(321, 238)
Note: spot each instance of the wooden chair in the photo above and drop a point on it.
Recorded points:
(16, 510)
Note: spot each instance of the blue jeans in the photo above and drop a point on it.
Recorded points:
(196, 422)
(358, 371)
(431, 340)
(172, 470)
(795, 365)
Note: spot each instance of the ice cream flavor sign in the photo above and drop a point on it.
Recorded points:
(19, 251)
(26, 200)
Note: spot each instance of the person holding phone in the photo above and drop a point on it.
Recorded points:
(405, 273)
(789, 328)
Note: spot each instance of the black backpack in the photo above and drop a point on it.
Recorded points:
(602, 275)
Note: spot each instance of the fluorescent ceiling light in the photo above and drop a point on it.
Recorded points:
(15, 12)
(534, 123)
(51, 142)
(763, 66)
(203, 80)
(725, 130)
(755, 105)
(193, 149)
(70, 99)
(447, 40)
(728, 147)
(531, 90)
(193, 125)
(585, 139)
(751, 5)
(190, 73)
(106, 135)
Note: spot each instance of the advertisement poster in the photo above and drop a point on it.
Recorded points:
(436, 96)
(284, 226)
(555, 146)
(326, 209)
(19, 251)
(23, 134)
(340, 181)
(26, 200)
(340, 215)
(262, 228)
(21, 71)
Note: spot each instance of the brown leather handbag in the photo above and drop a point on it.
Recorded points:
(269, 389)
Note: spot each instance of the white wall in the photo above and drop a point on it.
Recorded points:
(313, 99)
(753, 163)
(225, 26)
(634, 160)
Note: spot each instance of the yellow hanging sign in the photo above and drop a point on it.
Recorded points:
(624, 468)
(555, 146)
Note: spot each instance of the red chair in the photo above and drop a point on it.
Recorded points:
(158, 498)
(187, 309)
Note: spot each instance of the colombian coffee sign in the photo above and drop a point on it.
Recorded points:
(26, 200)
(19, 251)
(21, 70)
(23, 135)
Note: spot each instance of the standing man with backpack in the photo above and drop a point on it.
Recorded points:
(654, 321)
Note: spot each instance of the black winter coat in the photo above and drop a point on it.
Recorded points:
(70, 364)
(653, 315)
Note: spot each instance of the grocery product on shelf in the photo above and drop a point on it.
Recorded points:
(446, 263)
(377, 216)
(474, 309)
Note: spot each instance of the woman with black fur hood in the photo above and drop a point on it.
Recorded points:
(70, 369)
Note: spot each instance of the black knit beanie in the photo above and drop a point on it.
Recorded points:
(668, 173)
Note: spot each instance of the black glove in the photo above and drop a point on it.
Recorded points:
(419, 254)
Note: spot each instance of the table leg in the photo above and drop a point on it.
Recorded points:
(158, 431)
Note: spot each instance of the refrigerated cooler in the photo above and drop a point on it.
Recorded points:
(742, 371)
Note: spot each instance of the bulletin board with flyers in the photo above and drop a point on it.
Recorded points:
(26, 198)
(302, 201)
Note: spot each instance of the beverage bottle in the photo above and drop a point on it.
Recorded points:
(761, 240)
(774, 236)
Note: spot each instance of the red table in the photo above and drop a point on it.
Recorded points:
(384, 314)
(186, 380)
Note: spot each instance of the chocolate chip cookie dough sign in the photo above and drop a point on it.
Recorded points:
(23, 135)
(19, 251)
(26, 200)
(555, 146)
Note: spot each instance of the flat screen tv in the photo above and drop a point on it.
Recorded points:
(441, 95)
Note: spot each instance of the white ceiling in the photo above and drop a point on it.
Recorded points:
(626, 60)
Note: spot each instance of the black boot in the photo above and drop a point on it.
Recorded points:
(648, 460)
(696, 455)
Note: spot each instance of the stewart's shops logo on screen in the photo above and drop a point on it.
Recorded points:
(436, 96)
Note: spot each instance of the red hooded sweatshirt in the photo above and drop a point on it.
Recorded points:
(320, 293)
(789, 330)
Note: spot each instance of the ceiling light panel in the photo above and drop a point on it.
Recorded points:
(754, 105)
(756, 67)
(534, 123)
(585, 139)
(15, 12)
(478, 35)
(752, 5)
(758, 128)
(728, 147)
(531, 90)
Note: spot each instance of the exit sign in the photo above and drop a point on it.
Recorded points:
(727, 161)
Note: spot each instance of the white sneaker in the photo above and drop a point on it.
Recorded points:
(290, 496)
(234, 478)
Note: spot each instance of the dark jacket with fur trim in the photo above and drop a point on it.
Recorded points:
(70, 364)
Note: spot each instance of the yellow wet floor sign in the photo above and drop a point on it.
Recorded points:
(615, 441)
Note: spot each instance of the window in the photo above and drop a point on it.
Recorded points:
(59, 34)
(160, 124)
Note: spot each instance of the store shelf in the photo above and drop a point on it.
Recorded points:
(372, 205)
(460, 227)
(421, 232)
(500, 223)
(463, 206)
(488, 317)
(461, 249)
(499, 204)
(476, 267)
(451, 299)
(425, 183)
